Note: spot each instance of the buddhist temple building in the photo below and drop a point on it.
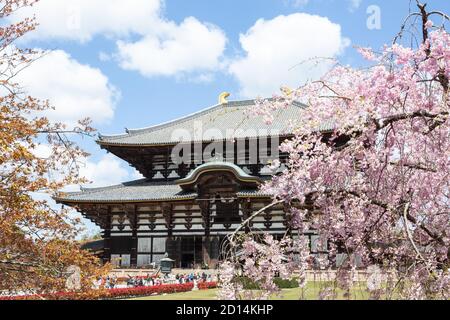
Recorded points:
(202, 176)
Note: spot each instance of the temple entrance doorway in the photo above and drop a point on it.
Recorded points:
(187, 261)
(191, 252)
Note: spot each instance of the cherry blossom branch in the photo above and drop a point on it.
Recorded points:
(337, 95)
(413, 166)
(424, 15)
(408, 232)
(440, 13)
(383, 123)
(253, 216)
(385, 206)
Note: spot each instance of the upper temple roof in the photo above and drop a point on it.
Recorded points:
(223, 121)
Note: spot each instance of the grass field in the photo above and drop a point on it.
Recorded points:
(310, 293)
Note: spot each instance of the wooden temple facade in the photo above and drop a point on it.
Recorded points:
(186, 209)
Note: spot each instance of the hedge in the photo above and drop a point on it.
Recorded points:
(119, 293)
(207, 285)
(147, 291)
(248, 284)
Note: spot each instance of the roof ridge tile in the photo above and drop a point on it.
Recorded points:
(133, 132)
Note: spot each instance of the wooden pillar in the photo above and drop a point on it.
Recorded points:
(214, 246)
(150, 171)
(183, 170)
(107, 245)
(205, 207)
(178, 253)
(166, 171)
(131, 213)
(167, 212)
(104, 215)
(235, 151)
(206, 245)
(246, 208)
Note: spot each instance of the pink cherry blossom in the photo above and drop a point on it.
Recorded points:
(378, 187)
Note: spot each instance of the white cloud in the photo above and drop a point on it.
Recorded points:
(108, 171)
(296, 3)
(75, 90)
(104, 57)
(160, 47)
(191, 46)
(354, 5)
(81, 20)
(276, 52)
(42, 151)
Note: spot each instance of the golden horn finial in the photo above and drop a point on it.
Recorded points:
(286, 90)
(223, 97)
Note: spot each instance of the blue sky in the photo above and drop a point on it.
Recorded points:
(142, 62)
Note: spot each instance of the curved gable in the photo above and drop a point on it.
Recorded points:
(217, 170)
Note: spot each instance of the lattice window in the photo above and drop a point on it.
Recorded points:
(227, 213)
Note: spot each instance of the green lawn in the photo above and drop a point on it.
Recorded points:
(310, 293)
(191, 295)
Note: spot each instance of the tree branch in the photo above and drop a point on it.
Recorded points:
(253, 216)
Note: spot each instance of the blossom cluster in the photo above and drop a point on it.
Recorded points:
(369, 166)
(258, 261)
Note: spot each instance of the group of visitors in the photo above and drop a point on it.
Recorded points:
(111, 282)
(191, 277)
(144, 281)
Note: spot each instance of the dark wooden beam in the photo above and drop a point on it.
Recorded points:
(130, 211)
(246, 208)
(104, 214)
(205, 207)
(167, 212)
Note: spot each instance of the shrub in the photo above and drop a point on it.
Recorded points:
(146, 291)
(286, 283)
(248, 284)
(109, 294)
(207, 285)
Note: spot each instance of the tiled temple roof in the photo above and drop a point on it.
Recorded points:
(139, 191)
(228, 116)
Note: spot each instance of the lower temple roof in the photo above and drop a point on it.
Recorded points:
(140, 191)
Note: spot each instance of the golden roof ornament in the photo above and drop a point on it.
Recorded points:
(286, 90)
(223, 97)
